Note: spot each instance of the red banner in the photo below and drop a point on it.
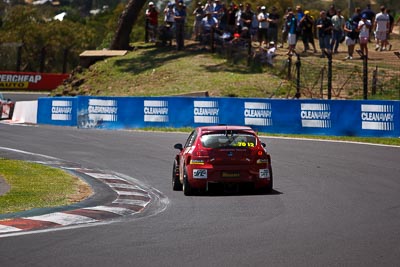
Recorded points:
(31, 80)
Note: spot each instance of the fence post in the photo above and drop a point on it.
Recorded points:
(212, 40)
(329, 55)
(298, 66)
(365, 75)
(374, 80)
(321, 89)
(249, 52)
(289, 61)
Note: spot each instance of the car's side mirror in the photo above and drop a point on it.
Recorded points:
(178, 146)
(263, 144)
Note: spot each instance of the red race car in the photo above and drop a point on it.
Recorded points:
(221, 155)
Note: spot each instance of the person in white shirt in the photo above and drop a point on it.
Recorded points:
(381, 28)
(338, 22)
(262, 25)
(364, 27)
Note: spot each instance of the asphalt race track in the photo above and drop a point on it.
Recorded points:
(336, 204)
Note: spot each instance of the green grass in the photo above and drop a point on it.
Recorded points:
(154, 71)
(35, 186)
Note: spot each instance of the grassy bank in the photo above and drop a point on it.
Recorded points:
(37, 186)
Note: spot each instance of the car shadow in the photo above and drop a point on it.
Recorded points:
(240, 192)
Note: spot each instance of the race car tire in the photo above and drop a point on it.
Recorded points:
(268, 189)
(187, 189)
(176, 183)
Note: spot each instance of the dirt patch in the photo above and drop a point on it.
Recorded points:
(4, 186)
(83, 191)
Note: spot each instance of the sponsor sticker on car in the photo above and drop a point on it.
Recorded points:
(264, 173)
(199, 174)
(230, 174)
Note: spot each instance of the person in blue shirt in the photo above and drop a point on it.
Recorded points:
(324, 26)
(180, 19)
(291, 24)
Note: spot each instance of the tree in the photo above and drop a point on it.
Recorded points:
(128, 18)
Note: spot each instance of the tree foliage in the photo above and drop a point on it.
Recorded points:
(45, 39)
(128, 18)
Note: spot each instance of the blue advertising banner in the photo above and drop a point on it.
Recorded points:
(57, 111)
(308, 116)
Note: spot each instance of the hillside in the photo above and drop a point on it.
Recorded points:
(151, 70)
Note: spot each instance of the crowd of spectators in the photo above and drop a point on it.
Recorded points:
(228, 24)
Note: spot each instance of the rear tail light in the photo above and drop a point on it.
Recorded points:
(200, 153)
(200, 157)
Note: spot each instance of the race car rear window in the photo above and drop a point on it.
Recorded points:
(222, 140)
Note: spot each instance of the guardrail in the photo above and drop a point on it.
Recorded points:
(306, 116)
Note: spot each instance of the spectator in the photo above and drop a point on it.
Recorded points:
(299, 16)
(307, 25)
(291, 25)
(208, 25)
(247, 16)
(238, 15)
(231, 18)
(324, 26)
(381, 27)
(223, 19)
(331, 11)
(357, 15)
(209, 7)
(370, 15)
(169, 14)
(284, 27)
(391, 26)
(273, 20)
(271, 53)
(218, 9)
(180, 19)
(338, 22)
(262, 25)
(364, 27)
(151, 22)
(198, 13)
(254, 25)
(350, 29)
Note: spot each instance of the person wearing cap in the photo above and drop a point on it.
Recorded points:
(262, 25)
(350, 28)
(370, 15)
(151, 22)
(364, 27)
(307, 25)
(169, 14)
(338, 22)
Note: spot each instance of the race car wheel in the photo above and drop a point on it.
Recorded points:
(176, 183)
(187, 189)
(268, 189)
